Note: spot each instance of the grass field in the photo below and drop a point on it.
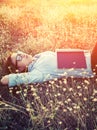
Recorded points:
(36, 26)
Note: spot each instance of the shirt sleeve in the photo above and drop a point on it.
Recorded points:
(25, 78)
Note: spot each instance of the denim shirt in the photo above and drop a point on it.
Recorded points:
(44, 67)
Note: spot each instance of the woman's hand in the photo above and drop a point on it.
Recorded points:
(5, 80)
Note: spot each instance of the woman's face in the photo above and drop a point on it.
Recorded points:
(21, 60)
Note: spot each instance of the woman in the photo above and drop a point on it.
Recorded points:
(43, 67)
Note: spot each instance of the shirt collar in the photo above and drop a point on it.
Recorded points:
(30, 66)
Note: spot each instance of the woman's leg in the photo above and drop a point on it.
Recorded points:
(94, 59)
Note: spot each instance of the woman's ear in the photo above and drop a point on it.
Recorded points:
(21, 69)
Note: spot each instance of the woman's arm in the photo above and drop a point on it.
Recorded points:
(22, 78)
(5, 80)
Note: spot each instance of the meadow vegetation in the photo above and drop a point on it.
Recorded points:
(32, 27)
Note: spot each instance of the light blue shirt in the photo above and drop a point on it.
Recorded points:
(44, 67)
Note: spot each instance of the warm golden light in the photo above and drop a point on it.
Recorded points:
(71, 22)
(56, 10)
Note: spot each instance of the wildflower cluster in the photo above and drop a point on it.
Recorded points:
(56, 102)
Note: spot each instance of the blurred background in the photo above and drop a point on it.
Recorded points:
(38, 25)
